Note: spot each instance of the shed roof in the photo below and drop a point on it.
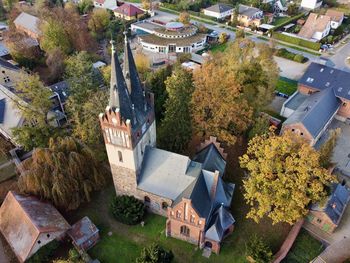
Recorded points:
(316, 111)
(82, 231)
(219, 8)
(28, 22)
(24, 218)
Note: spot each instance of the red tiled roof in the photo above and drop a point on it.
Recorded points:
(100, 1)
(128, 10)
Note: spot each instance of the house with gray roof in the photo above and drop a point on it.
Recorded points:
(28, 24)
(189, 192)
(219, 11)
(323, 94)
(248, 15)
(327, 215)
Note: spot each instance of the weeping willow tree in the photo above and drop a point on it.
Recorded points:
(65, 173)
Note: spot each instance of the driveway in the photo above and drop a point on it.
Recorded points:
(291, 69)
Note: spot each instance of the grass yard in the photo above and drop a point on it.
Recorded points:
(219, 48)
(304, 249)
(126, 242)
(286, 86)
(280, 20)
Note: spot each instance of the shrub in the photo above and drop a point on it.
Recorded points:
(258, 250)
(44, 253)
(297, 41)
(128, 209)
(299, 58)
(155, 254)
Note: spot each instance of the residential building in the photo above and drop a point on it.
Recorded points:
(190, 192)
(311, 4)
(106, 4)
(29, 224)
(8, 73)
(249, 16)
(219, 11)
(84, 234)
(327, 215)
(323, 94)
(336, 17)
(316, 27)
(128, 12)
(173, 37)
(28, 24)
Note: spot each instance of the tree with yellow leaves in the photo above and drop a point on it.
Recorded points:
(284, 177)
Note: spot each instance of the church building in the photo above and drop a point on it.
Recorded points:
(190, 193)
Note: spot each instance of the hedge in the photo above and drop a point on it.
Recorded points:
(284, 53)
(297, 41)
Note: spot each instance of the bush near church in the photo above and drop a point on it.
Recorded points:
(127, 209)
(155, 254)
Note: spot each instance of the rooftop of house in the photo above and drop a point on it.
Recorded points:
(295, 101)
(82, 231)
(335, 15)
(335, 204)
(247, 10)
(62, 89)
(321, 77)
(187, 41)
(314, 23)
(8, 65)
(316, 111)
(29, 22)
(128, 10)
(24, 218)
(219, 8)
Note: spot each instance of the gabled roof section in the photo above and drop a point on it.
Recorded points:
(219, 8)
(82, 231)
(24, 218)
(321, 77)
(29, 22)
(211, 159)
(128, 10)
(314, 23)
(219, 223)
(119, 96)
(248, 11)
(335, 15)
(316, 111)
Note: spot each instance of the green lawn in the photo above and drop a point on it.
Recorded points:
(219, 48)
(286, 86)
(304, 249)
(280, 20)
(126, 242)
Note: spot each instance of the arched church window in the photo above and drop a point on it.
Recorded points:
(164, 205)
(120, 155)
(184, 230)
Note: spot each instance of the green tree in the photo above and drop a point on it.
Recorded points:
(156, 82)
(261, 126)
(258, 250)
(65, 173)
(34, 105)
(176, 129)
(155, 254)
(326, 150)
(99, 22)
(85, 6)
(54, 36)
(240, 33)
(284, 177)
(127, 209)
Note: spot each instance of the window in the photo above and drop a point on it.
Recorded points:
(3, 72)
(178, 214)
(293, 130)
(147, 199)
(319, 221)
(6, 79)
(310, 80)
(165, 205)
(39, 242)
(192, 218)
(301, 134)
(120, 156)
(48, 235)
(344, 104)
(185, 231)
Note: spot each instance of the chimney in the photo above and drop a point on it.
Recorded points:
(144, 98)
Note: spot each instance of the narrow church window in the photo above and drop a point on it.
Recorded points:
(192, 219)
(120, 156)
(164, 205)
(184, 230)
(147, 199)
(178, 214)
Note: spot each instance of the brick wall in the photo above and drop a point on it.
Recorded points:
(322, 221)
(344, 110)
(299, 129)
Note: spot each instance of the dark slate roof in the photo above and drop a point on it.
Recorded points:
(119, 96)
(4, 63)
(211, 159)
(321, 77)
(316, 111)
(220, 221)
(247, 10)
(82, 231)
(337, 203)
(219, 8)
(2, 110)
(62, 89)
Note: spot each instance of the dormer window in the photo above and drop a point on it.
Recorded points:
(310, 80)
(327, 84)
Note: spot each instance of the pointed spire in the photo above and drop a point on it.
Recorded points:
(118, 94)
(126, 67)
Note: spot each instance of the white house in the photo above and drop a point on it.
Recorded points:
(316, 27)
(106, 4)
(337, 18)
(311, 4)
(219, 11)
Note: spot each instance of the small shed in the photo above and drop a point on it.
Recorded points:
(84, 234)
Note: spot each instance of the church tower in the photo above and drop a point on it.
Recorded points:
(128, 123)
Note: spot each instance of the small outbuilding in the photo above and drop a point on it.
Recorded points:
(84, 234)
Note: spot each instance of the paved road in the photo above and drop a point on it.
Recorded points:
(339, 59)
